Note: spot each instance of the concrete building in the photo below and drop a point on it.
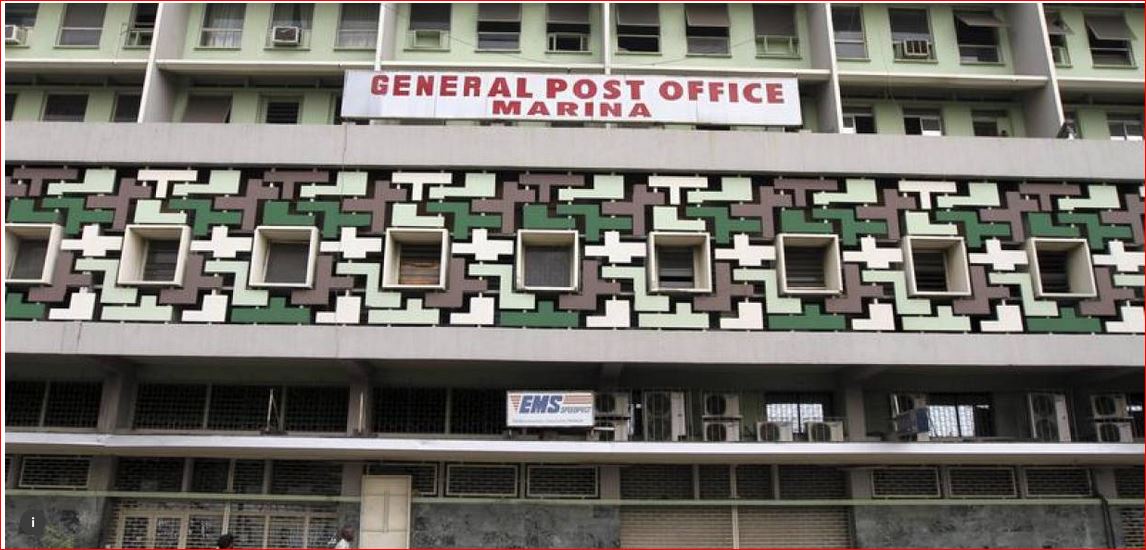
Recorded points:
(229, 309)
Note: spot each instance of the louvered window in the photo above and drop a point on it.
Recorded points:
(287, 262)
(298, 477)
(1051, 482)
(410, 410)
(1053, 270)
(53, 404)
(675, 267)
(548, 266)
(160, 260)
(282, 111)
(905, 483)
(149, 474)
(812, 482)
(419, 264)
(657, 481)
(981, 483)
(481, 480)
(30, 256)
(477, 411)
(1128, 482)
(754, 482)
(545, 481)
(804, 267)
(170, 406)
(930, 270)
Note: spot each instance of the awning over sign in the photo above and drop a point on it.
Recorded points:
(640, 15)
(576, 14)
(499, 12)
(1109, 27)
(706, 15)
(980, 19)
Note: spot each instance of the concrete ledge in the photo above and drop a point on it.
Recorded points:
(486, 148)
(589, 346)
(331, 448)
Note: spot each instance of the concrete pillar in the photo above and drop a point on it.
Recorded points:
(117, 400)
(822, 48)
(1030, 48)
(1104, 482)
(607, 36)
(360, 412)
(851, 398)
(859, 483)
(160, 88)
(388, 31)
(610, 482)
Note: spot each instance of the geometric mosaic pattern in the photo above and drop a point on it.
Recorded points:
(614, 214)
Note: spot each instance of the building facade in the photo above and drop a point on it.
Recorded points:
(229, 309)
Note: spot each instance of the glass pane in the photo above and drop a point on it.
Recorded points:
(30, 256)
(161, 260)
(287, 262)
(548, 266)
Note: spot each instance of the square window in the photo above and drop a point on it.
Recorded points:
(283, 256)
(65, 107)
(638, 28)
(357, 26)
(415, 258)
(1061, 268)
(222, 25)
(547, 260)
(126, 108)
(567, 27)
(82, 25)
(923, 122)
(281, 110)
(977, 35)
(499, 26)
(679, 262)
(858, 120)
(31, 251)
(936, 266)
(809, 264)
(154, 255)
(706, 29)
(1110, 39)
(847, 24)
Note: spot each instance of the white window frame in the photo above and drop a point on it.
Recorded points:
(548, 237)
(958, 271)
(702, 260)
(833, 270)
(395, 237)
(260, 253)
(134, 253)
(16, 232)
(1080, 267)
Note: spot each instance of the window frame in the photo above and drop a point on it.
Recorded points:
(833, 269)
(630, 28)
(555, 28)
(998, 38)
(862, 30)
(48, 98)
(1079, 259)
(62, 29)
(237, 32)
(517, 33)
(958, 276)
(897, 45)
(701, 242)
(925, 114)
(1123, 120)
(868, 111)
(116, 106)
(265, 236)
(1127, 44)
(305, 25)
(552, 238)
(391, 263)
(689, 31)
(133, 256)
(134, 39)
(14, 233)
(265, 101)
(762, 40)
(339, 30)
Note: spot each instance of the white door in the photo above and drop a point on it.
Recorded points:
(385, 515)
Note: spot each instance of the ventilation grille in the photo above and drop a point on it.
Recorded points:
(812, 482)
(1058, 482)
(656, 481)
(1128, 482)
(170, 406)
(210, 475)
(423, 476)
(561, 481)
(481, 480)
(149, 474)
(316, 409)
(52, 404)
(240, 408)
(981, 483)
(409, 410)
(905, 483)
(23, 403)
(715, 481)
(676, 526)
(54, 472)
(754, 482)
(477, 412)
(297, 477)
(792, 527)
(1130, 523)
(249, 476)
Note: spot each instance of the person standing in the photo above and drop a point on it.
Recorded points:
(345, 537)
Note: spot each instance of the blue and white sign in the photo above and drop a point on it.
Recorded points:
(549, 409)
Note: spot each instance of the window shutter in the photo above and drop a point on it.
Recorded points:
(639, 15)
(804, 267)
(706, 15)
(419, 264)
(208, 109)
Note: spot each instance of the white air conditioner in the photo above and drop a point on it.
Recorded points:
(611, 429)
(722, 430)
(1109, 405)
(774, 431)
(1114, 432)
(14, 35)
(1049, 418)
(721, 405)
(286, 36)
(663, 413)
(426, 39)
(916, 49)
(903, 402)
(820, 432)
(611, 404)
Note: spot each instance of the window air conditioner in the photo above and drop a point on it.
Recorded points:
(286, 36)
(821, 432)
(722, 430)
(14, 35)
(774, 431)
(611, 429)
(427, 39)
(916, 49)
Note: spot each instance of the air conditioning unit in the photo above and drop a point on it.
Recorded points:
(663, 414)
(1109, 405)
(14, 35)
(774, 431)
(722, 430)
(903, 402)
(426, 39)
(1049, 418)
(916, 49)
(611, 429)
(286, 36)
(721, 405)
(1114, 432)
(822, 432)
(611, 404)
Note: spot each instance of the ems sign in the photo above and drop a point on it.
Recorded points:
(535, 409)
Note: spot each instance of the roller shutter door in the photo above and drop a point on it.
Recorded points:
(794, 527)
(713, 526)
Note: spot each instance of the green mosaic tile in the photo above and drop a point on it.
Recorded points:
(463, 220)
(203, 216)
(595, 223)
(812, 319)
(536, 216)
(723, 225)
(850, 228)
(333, 218)
(793, 220)
(77, 214)
(544, 317)
(1067, 321)
(276, 313)
(24, 211)
(974, 230)
(16, 309)
(278, 213)
(1097, 233)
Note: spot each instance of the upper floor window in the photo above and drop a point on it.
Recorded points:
(638, 28)
(911, 33)
(357, 26)
(858, 120)
(18, 19)
(797, 409)
(290, 25)
(281, 110)
(9, 106)
(208, 108)
(142, 25)
(776, 30)
(126, 108)
(923, 122)
(960, 415)
(1109, 39)
(499, 26)
(847, 24)
(567, 27)
(1125, 127)
(429, 26)
(706, 28)
(223, 26)
(990, 123)
(82, 25)
(977, 33)
(65, 107)
(1057, 30)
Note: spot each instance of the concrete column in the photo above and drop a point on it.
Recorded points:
(859, 483)
(160, 88)
(360, 412)
(822, 48)
(1104, 483)
(117, 399)
(1030, 48)
(607, 36)
(853, 409)
(388, 38)
(610, 482)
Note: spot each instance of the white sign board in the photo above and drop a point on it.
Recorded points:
(564, 97)
(552, 409)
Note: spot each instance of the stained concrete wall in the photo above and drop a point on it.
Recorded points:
(71, 522)
(980, 527)
(515, 526)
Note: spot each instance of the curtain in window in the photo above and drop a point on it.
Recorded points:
(358, 26)
(292, 15)
(223, 26)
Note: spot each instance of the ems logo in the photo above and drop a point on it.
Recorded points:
(552, 409)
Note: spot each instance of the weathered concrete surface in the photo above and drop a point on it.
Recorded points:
(979, 527)
(514, 526)
(73, 522)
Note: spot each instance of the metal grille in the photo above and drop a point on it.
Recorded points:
(1130, 523)
(477, 412)
(410, 410)
(812, 482)
(1058, 482)
(297, 477)
(159, 523)
(73, 404)
(676, 527)
(249, 476)
(24, 403)
(149, 474)
(263, 525)
(754, 482)
(170, 406)
(656, 481)
(423, 476)
(981, 483)
(714, 481)
(905, 483)
(203, 530)
(481, 480)
(54, 472)
(802, 527)
(316, 409)
(239, 407)
(561, 481)
(210, 475)
(1128, 482)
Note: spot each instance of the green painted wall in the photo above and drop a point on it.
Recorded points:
(43, 36)
(881, 57)
(1078, 45)
(247, 103)
(1092, 121)
(319, 46)
(956, 116)
(101, 101)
